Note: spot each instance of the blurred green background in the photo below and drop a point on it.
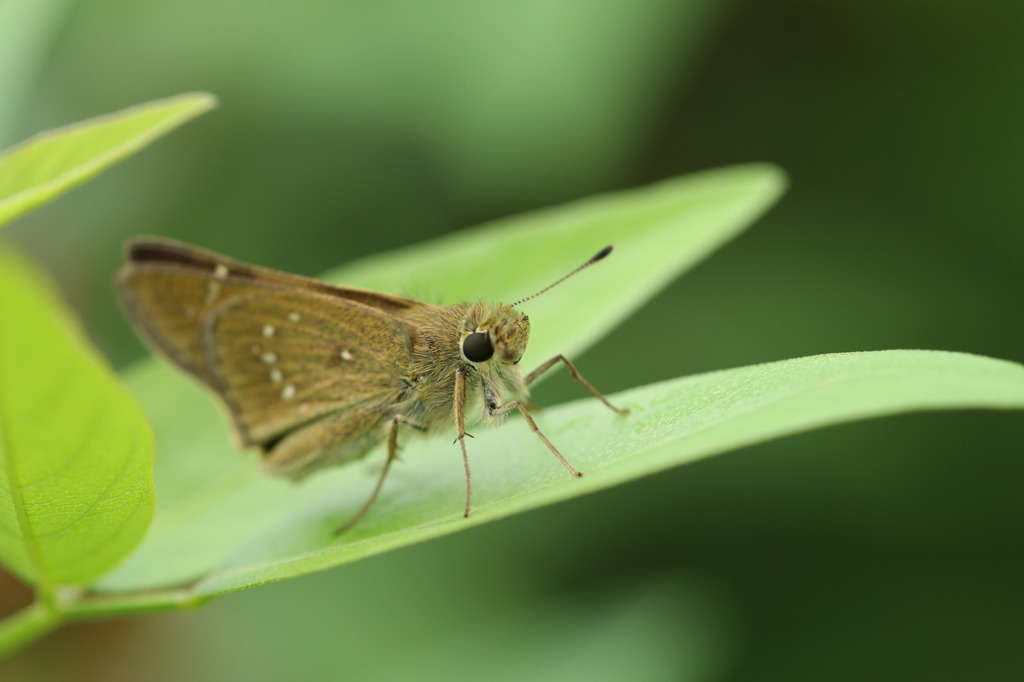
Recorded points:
(883, 550)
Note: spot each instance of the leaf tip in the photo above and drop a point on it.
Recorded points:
(204, 101)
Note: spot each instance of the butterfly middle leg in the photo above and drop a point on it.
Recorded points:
(392, 456)
(495, 410)
(517, 405)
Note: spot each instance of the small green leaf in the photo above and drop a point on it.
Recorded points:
(76, 453)
(53, 162)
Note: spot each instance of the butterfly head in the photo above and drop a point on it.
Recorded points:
(494, 333)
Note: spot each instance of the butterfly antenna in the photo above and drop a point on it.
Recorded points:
(598, 256)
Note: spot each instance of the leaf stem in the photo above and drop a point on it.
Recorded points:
(26, 626)
(93, 606)
(31, 623)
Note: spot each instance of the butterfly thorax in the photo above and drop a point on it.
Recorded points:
(485, 340)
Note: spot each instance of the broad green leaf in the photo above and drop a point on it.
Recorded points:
(212, 500)
(26, 27)
(76, 454)
(53, 162)
(272, 530)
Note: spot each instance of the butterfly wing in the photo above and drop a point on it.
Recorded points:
(280, 349)
(168, 287)
(280, 358)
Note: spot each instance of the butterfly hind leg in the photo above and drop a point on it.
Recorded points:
(392, 456)
(575, 374)
(495, 410)
(521, 405)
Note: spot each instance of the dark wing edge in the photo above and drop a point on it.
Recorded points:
(148, 250)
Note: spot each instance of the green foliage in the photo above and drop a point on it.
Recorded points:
(40, 169)
(221, 526)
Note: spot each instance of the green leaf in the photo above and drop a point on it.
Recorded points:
(671, 423)
(212, 500)
(53, 162)
(76, 454)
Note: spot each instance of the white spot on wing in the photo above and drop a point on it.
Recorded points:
(211, 292)
(221, 271)
(275, 375)
(303, 408)
(269, 358)
(288, 392)
(346, 355)
(268, 331)
(293, 316)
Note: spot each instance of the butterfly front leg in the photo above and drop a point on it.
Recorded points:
(460, 424)
(392, 456)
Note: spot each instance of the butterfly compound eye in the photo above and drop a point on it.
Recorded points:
(477, 347)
